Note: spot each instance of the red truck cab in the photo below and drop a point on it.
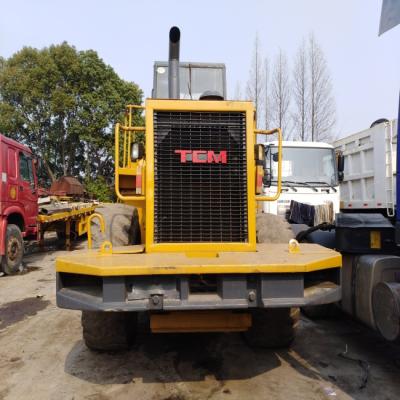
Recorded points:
(18, 201)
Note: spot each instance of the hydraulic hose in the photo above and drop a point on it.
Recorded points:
(323, 227)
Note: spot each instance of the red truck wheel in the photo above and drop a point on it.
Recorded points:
(11, 261)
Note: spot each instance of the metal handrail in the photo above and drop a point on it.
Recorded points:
(117, 159)
(89, 228)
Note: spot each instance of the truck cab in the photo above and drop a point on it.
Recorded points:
(18, 201)
(309, 175)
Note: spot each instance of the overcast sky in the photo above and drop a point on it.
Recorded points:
(130, 35)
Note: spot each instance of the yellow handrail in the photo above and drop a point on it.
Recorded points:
(133, 128)
(117, 161)
(279, 188)
(89, 228)
(135, 107)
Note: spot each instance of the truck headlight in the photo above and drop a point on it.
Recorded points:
(137, 151)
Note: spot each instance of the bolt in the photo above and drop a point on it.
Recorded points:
(252, 295)
(155, 299)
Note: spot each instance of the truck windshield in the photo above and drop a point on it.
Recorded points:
(303, 165)
(42, 172)
(195, 79)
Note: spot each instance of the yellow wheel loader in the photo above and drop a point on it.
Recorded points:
(197, 266)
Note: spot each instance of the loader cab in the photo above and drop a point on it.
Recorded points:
(196, 79)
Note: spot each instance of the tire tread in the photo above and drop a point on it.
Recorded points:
(108, 331)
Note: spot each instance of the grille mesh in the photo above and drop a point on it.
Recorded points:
(200, 202)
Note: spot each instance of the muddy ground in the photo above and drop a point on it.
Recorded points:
(42, 356)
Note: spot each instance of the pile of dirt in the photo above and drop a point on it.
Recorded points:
(273, 229)
(121, 225)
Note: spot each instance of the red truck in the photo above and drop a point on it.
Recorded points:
(20, 217)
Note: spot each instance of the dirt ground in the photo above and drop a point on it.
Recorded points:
(42, 356)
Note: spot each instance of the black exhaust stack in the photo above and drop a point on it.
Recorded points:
(173, 63)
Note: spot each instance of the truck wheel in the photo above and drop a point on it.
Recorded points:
(108, 331)
(11, 261)
(273, 327)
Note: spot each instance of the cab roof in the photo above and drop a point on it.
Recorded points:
(14, 143)
(292, 143)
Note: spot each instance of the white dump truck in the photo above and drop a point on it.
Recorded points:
(364, 231)
(309, 176)
(369, 183)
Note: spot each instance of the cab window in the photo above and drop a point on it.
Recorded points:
(12, 165)
(25, 169)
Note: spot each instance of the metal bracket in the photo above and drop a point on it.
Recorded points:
(156, 302)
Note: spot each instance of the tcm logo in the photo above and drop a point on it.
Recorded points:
(203, 156)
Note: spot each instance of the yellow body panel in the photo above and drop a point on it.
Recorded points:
(269, 258)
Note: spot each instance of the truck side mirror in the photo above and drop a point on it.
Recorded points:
(261, 172)
(340, 166)
(267, 178)
(259, 154)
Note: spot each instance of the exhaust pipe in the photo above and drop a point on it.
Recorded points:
(173, 63)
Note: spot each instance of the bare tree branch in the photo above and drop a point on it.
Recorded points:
(322, 104)
(255, 82)
(280, 94)
(267, 92)
(301, 94)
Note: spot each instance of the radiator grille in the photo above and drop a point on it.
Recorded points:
(200, 202)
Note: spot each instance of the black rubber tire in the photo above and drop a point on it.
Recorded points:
(320, 311)
(273, 327)
(12, 260)
(108, 331)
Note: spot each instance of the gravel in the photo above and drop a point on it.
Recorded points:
(273, 229)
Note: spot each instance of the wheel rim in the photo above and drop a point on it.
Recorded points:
(13, 248)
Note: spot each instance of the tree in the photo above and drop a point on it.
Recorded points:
(2, 63)
(280, 94)
(62, 103)
(322, 104)
(301, 93)
(255, 81)
(267, 94)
